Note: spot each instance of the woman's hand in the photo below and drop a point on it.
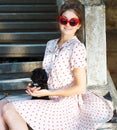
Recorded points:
(36, 91)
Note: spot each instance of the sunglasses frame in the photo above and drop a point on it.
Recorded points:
(76, 20)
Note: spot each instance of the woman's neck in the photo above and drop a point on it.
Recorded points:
(64, 39)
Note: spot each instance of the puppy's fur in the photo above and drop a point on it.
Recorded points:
(39, 79)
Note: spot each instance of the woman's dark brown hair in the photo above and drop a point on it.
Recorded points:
(72, 5)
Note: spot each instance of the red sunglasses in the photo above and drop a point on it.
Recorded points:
(73, 21)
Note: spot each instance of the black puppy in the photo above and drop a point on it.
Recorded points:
(39, 79)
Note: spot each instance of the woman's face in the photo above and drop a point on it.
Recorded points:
(68, 29)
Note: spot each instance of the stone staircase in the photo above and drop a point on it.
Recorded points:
(25, 28)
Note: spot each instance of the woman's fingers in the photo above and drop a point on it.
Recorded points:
(30, 90)
(37, 88)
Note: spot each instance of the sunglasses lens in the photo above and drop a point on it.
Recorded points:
(63, 21)
(73, 22)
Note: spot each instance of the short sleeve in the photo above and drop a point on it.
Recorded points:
(78, 56)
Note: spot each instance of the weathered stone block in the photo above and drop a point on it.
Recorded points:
(90, 2)
(96, 45)
(108, 126)
(84, 2)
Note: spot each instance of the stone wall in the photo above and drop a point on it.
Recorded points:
(111, 14)
(96, 44)
(111, 37)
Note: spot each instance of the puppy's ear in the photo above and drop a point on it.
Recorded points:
(44, 76)
(34, 75)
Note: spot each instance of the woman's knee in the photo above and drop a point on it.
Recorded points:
(2, 104)
(8, 109)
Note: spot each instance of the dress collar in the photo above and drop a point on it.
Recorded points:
(67, 43)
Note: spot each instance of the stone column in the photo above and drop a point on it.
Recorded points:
(96, 44)
(95, 31)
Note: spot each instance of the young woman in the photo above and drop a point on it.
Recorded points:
(71, 106)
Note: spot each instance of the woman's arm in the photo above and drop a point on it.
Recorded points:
(79, 86)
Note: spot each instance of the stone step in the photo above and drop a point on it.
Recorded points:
(11, 74)
(14, 97)
(14, 84)
(19, 67)
(22, 50)
(27, 16)
(27, 8)
(27, 36)
(28, 26)
(15, 2)
(108, 126)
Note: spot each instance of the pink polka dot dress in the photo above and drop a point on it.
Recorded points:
(78, 112)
